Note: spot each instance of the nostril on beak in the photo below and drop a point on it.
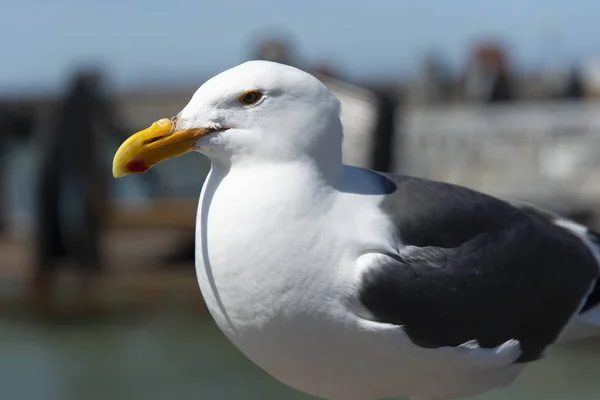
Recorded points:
(154, 139)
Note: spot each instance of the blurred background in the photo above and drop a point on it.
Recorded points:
(98, 296)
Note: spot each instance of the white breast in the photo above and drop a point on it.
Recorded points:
(258, 261)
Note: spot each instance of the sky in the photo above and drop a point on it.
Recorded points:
(146, 42)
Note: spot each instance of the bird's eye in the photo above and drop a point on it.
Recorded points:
(250, 97)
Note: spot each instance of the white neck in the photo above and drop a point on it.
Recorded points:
(238, 191)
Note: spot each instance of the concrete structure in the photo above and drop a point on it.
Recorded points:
(547, 153)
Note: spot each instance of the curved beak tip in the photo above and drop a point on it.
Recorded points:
(132, 167)
(153, 145)
(134, 156)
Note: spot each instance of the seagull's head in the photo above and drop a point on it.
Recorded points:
(256, 111)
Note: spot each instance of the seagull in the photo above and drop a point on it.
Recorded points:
(351, 284)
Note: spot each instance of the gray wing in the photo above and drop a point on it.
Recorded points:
(472, 267)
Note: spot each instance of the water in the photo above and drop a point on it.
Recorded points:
(186, 357)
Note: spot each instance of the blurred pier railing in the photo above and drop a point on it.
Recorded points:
(543, 152)
(547, 153)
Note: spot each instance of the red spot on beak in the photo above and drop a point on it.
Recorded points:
(137, 166)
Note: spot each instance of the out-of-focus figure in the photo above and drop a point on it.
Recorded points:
(17, 123)
(434, 81)
(488, 78)
(563, 82)
(276, 49)
(5, 133)
(72, 188)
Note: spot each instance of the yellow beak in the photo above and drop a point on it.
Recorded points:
(157, 143)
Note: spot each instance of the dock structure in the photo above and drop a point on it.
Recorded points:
(545, 153)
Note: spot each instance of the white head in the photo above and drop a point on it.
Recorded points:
(259, 111)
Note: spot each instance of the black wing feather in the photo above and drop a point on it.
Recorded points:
(476, 268)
